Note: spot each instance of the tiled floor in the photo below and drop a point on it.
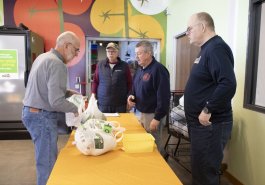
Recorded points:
(17, 165)
(181, 164)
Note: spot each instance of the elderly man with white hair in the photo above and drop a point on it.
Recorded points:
(46, 94)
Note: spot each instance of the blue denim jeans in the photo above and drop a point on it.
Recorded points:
(207, 145)
(42, 127)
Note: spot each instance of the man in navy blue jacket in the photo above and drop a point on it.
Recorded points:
(208, 94)
(150, 91)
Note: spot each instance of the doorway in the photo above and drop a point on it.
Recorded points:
(96, 51)
(185, 54)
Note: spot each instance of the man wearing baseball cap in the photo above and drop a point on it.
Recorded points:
(112, 82)
(112, 45)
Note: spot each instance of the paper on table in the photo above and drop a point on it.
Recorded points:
(111, 114)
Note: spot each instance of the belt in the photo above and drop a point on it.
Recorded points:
(35, 110)
(32, 109)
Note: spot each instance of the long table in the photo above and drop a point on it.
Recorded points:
(113, 168)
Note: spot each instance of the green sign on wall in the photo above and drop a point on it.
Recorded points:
(1, 13)
(8, 64)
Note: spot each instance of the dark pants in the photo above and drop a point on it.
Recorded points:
(207, 145)
(112, 109)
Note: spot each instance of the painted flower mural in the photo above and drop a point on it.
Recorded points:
(93, 18)
(46, 19)
(119, 18)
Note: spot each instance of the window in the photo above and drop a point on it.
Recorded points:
(254, 87)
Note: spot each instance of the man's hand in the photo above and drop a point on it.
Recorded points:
(130, 101)
(154, 125)
(204, 118)
(71, 92)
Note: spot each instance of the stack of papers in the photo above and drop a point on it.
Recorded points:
(111, 114)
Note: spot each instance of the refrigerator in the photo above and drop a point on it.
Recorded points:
(18, 49)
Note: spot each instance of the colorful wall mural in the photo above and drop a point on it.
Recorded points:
(93, 18)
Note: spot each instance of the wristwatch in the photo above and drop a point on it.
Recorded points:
(206, 110)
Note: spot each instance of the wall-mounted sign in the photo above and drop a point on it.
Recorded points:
(1, 13)
(8, 64)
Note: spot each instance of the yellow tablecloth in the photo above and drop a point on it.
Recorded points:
(113, 168)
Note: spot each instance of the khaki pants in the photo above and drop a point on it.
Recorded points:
(145, 120)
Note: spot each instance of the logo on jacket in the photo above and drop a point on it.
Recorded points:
(197, 60)
(146, 77)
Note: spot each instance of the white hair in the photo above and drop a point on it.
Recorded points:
(65, 37)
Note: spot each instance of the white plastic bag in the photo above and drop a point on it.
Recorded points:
(92, 111)
(70, 118)
(96, 137)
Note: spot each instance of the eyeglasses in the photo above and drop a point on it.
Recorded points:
(111, 51)
(188, 30)
(76, 49)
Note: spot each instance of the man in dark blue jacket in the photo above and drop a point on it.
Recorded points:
(112, 82)
(207, 102)
(150, 91)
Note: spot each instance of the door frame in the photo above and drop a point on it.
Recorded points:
(90, 40)
(174, 71)
(175, 57)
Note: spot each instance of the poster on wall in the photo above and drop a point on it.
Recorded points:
(1, 13)
(8, 64)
